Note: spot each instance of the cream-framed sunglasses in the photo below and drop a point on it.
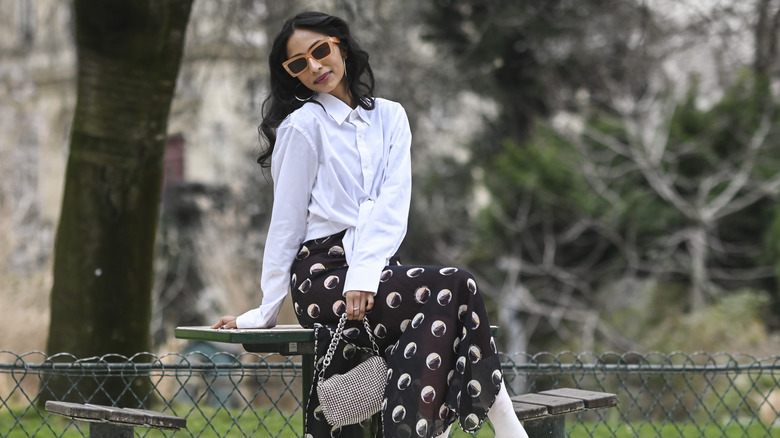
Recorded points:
(298, 64)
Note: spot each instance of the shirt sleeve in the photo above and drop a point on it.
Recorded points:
(294, 170)
(387, 223)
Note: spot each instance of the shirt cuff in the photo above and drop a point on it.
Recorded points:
(363, 278)
(261, 317)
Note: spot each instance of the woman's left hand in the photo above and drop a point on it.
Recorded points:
(226, 322)
(358, 302)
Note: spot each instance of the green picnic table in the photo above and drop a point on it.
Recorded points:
(287, 340)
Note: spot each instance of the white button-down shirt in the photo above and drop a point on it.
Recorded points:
(335, 168)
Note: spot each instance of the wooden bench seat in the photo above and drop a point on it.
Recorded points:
(544, 413)
(112, 421)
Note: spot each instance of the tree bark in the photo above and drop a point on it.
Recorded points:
(129, 54)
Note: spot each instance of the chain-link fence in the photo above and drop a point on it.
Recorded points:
(226, 394)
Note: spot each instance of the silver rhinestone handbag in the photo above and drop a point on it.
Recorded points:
(356, 395)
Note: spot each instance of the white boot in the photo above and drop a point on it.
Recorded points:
(446, 433)
(502, 416)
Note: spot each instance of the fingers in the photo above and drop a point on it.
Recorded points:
(226, 322)
(358, 302)
(354, 310)
(370, 302)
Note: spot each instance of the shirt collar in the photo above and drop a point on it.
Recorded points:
(338, 110)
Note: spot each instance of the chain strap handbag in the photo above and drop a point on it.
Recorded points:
(356, 395)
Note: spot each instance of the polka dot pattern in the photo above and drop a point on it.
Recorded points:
(430, 323)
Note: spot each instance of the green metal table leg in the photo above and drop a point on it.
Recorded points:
(307, 366)
(547, 427)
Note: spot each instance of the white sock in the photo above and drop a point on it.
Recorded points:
(444, 434)
(502, 416)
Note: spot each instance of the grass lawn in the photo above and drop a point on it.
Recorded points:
(207, 422)
(670, 430)
(263, 422)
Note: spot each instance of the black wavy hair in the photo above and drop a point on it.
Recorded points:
(281, 100)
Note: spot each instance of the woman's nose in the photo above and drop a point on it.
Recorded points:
(314, 65)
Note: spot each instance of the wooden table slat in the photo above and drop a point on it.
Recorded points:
(159, 420)
(592, 399)
(525, 411)
(123, 416)
(77, 410)
(116, 415)
(555, 405)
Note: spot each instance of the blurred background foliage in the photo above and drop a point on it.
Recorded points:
(605, 168)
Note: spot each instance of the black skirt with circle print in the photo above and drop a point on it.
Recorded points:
(431, 324)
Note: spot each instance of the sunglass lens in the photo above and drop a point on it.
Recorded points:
(297, 65)
(321, 51)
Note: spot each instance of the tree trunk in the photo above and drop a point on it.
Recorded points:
(129, 54)
(514, 339)
(700, 281)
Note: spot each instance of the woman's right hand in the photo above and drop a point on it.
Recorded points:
(358, 303)
(226, 322)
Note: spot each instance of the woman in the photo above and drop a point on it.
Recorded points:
(340, 161)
